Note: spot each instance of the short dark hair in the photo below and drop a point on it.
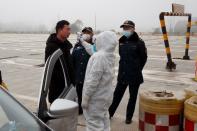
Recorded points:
(60, 24)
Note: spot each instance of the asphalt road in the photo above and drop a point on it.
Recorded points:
(21, 53)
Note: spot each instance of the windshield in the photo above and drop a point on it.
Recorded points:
(13, 117)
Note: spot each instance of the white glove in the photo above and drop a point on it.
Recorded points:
(94, 39)
(86, 37)
(79, 37)
(85, 102)
(82, 37)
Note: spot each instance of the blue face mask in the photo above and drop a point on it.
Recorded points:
(128, 33)
(94, 48)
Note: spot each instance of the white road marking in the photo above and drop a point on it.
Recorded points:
(157, 57)
(3, 48)
(173, 46)
(22, 49)
(14, 63)
(172, 50)
(168, 77)
(24, 97)
(165, 59)
(22, 62)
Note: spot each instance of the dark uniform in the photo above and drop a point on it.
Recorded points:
(133, 56)
(80, 60)
(57, 84)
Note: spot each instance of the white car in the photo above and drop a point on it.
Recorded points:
(15, 117)
(61, 115)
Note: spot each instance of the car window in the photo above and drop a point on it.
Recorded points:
(13, 117)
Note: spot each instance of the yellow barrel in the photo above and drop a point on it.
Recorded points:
(160, 110)
(162, 102)
(191, 91)
(190, 111)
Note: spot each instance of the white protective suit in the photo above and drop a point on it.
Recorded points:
(97, 89)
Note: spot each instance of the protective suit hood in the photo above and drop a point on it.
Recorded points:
(106, 41)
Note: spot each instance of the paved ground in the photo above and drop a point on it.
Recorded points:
(20, 53)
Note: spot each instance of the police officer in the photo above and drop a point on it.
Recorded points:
(80, 60)
(133, 56)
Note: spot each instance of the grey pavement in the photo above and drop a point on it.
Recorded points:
(21, 53)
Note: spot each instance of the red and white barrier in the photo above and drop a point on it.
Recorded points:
(153, 122)
(189, 125)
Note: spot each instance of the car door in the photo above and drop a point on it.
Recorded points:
(69, 91)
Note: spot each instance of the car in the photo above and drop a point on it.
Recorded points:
(61, 115)
(15, 117)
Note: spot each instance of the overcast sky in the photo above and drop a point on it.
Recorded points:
(109, 13)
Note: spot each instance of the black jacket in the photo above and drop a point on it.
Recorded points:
(80, 60)
(57, 81)
(133, 56)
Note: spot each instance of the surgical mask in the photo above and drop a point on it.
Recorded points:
(86, 37)
(127, 33)
(94, 48)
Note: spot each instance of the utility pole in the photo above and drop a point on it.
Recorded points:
(95, 21)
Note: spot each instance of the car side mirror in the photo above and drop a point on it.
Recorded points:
(62, 108)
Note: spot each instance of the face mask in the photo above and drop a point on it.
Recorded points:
(86, 37)
(94, 48)
(128, 33)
